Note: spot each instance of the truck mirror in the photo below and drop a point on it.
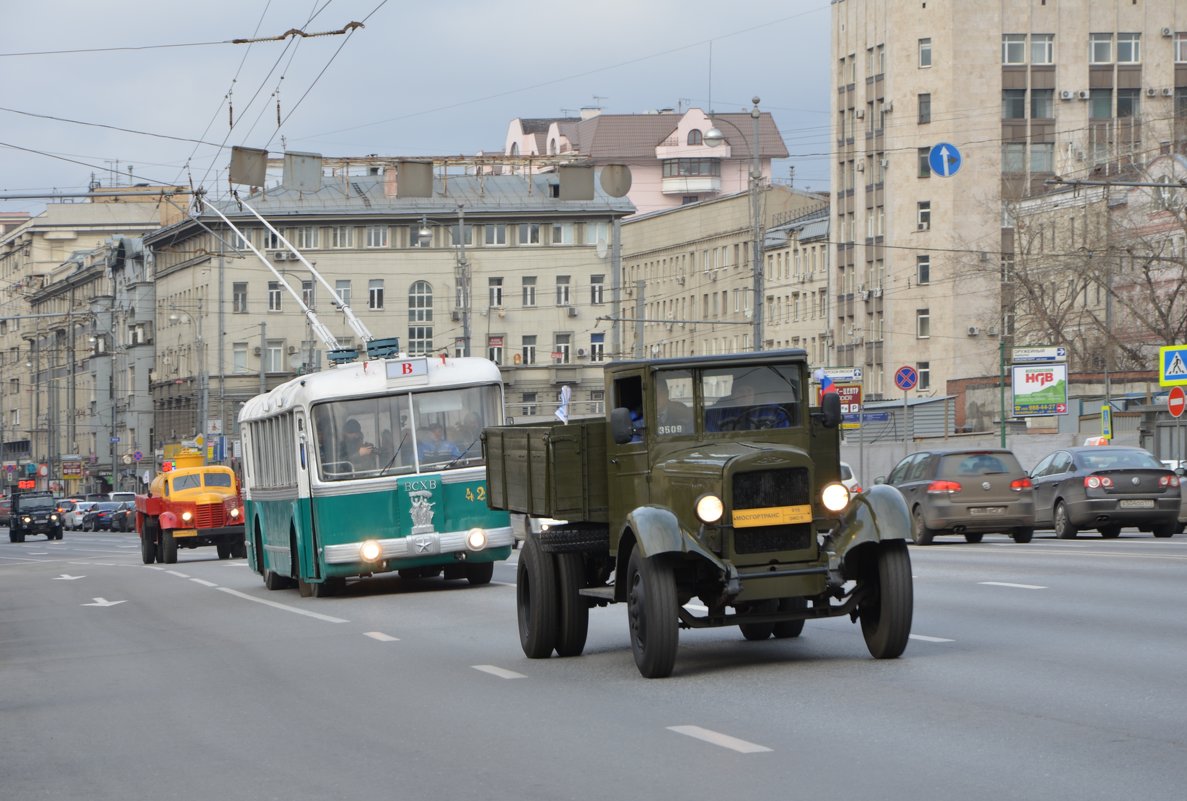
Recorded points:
(830, 405)
(621, 427)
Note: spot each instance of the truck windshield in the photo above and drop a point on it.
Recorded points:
(751, 397)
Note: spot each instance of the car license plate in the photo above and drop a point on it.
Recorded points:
(1138, 503)
(987, 510)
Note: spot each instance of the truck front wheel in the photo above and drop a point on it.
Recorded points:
(536, 600)
(653, 616)
(886, 609)
(168, 548)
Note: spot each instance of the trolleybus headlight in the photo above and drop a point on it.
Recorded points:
(709, 508)
(835, 497)
(370, 550)
(187, 516)
(476, 539)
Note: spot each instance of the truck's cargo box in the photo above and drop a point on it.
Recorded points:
(549, 470)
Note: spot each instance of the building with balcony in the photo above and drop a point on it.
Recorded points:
(671, 162)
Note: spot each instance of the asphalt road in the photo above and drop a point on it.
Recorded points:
(1052, 670)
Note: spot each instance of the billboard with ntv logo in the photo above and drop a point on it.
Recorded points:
(1039, 390)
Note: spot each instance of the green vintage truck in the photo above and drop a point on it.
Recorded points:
(709, 496)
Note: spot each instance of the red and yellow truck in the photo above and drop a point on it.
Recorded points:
(190, 504)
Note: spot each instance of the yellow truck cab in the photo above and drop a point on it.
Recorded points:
(190, 504)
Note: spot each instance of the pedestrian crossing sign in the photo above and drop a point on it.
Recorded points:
(1172, 365)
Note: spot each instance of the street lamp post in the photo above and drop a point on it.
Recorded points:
(714, 137)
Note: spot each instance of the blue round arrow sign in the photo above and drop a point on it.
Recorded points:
(944, 159)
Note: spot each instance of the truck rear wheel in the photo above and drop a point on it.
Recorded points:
(574, 609)
(790, 628)
(886, 610)
(757, 632)
(536, 601)
(651, 610)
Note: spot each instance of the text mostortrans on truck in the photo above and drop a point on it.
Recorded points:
(711, 479)
(188, 505)
(373, 466)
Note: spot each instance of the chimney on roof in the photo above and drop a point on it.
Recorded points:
(590, 111)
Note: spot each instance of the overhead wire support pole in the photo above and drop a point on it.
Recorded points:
(324, 333)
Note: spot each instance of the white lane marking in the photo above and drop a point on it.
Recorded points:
(67, 577)
(103, 602)
(176, 573)
(284, 607)
(38, 553)
(379, 635)
(204, 582)
(1009, 584)
(716, 738)
(925, 638)
(498, 671)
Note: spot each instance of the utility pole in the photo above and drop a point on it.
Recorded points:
(756, 213)
(462, 276)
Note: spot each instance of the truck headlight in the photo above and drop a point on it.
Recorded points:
(709, 508)
(235, 513)
(370, 550)
(835, 497)
(187, 516)
(476, 539)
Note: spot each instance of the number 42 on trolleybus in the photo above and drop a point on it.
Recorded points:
(373, 466)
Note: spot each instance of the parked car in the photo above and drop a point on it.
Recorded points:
(98, 517)
(73, 519)
(849, 479)
(965, 492)
(1105, 488)
(5, 511)
(124, 517)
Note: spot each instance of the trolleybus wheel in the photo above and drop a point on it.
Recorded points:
(480, 572)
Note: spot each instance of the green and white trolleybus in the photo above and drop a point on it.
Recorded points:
(373, 466)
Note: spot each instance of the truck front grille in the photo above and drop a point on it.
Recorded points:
(210, 515)
(764, 489)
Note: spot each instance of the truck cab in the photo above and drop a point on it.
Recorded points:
(710, 478)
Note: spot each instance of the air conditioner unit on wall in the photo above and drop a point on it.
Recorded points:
(280, 255)
(1167, 91)
(860, 113)
(1151, 92)
(1084, 94)
(974, 330)
(1067, 94)
(572, 311)
(1168, 32)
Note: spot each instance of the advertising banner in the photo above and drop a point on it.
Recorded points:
(1039, 390)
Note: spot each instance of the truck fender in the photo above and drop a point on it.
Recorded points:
(167, 521)
(876, 515)
(658, 531)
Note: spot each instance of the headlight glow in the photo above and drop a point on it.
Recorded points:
(370, 550)
(709, 508)
(235, 512)
(53, 518)
(476, 539)
(835, 497)
(187, 516)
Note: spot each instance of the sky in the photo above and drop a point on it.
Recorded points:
(149, 90)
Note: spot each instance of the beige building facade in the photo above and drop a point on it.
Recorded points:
(1023, 92)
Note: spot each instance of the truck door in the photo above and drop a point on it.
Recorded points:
(629, 475)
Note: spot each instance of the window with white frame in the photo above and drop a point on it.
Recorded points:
(562, 233)
(274, 356)
(1100, 48)
(376, 236)
(307, 237)
(420, 318)
(272, 241)
(274, 297)
(307, 292)
(529, 233)
(529, 291)
(415, 240)
(923, 370)
(1181, 48)
(529, 403)
(375, 293)
(494, 349)
(342, 236)
(923, 269)
(1129, 48)
(1042, 48)
(467, 235)
(925, 52)
(1013, 48)
(922, 323)
(1013, 104)
(597, 289)
(594, 231)
(239, 357)
(924, 107)
(239, 297)
(563, 345)
(597, 347)
(563, 296)
(923, 215)
(527, 351)
(495, 291)
(342, 287)
(494, 234)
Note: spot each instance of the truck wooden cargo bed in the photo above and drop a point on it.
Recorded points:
(549, 469)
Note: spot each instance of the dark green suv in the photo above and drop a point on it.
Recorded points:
(34, 513)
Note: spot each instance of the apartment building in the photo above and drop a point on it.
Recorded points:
(1023, 92)
(674, 158)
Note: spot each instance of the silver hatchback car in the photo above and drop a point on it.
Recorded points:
(965, 492)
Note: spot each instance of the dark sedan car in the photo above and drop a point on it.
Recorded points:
(965, 492)
(1105, 488)
(98, 517)
(124, 517)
